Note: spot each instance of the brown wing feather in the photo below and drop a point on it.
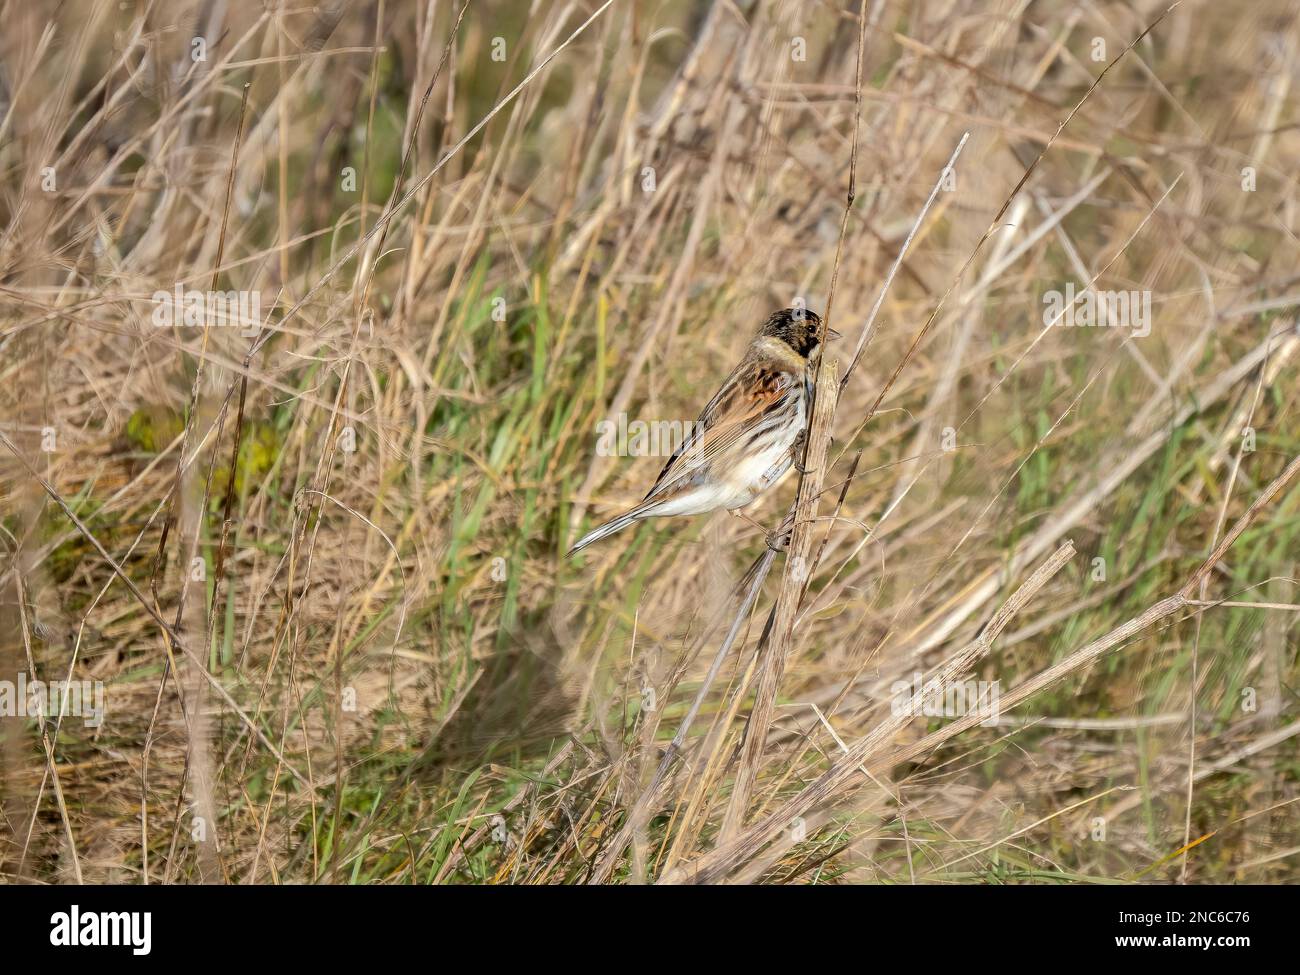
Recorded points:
(757, 385)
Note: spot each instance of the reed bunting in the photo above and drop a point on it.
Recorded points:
(749, 434)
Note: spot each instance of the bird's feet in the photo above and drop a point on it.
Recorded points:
(779, 540)
(798, 452)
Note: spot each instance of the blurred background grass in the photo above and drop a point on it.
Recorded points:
(427, 690)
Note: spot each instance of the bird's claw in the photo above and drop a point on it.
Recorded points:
(779, 540)
(798, 452)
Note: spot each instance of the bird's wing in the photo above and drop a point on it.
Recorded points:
(756, 387)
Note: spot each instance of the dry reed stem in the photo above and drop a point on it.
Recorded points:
(776, 645)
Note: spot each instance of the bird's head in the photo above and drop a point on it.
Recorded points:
(797, 328)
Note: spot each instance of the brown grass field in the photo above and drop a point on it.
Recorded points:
(315, 563)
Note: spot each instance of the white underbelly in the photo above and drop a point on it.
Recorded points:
(756, 474)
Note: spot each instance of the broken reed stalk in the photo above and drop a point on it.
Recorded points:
(772, 651)
(718, 863)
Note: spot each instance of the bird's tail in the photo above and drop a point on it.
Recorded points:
(607, 529)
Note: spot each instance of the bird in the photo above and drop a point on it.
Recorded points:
(747, 437)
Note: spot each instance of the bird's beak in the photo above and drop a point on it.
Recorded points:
(832, 334)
